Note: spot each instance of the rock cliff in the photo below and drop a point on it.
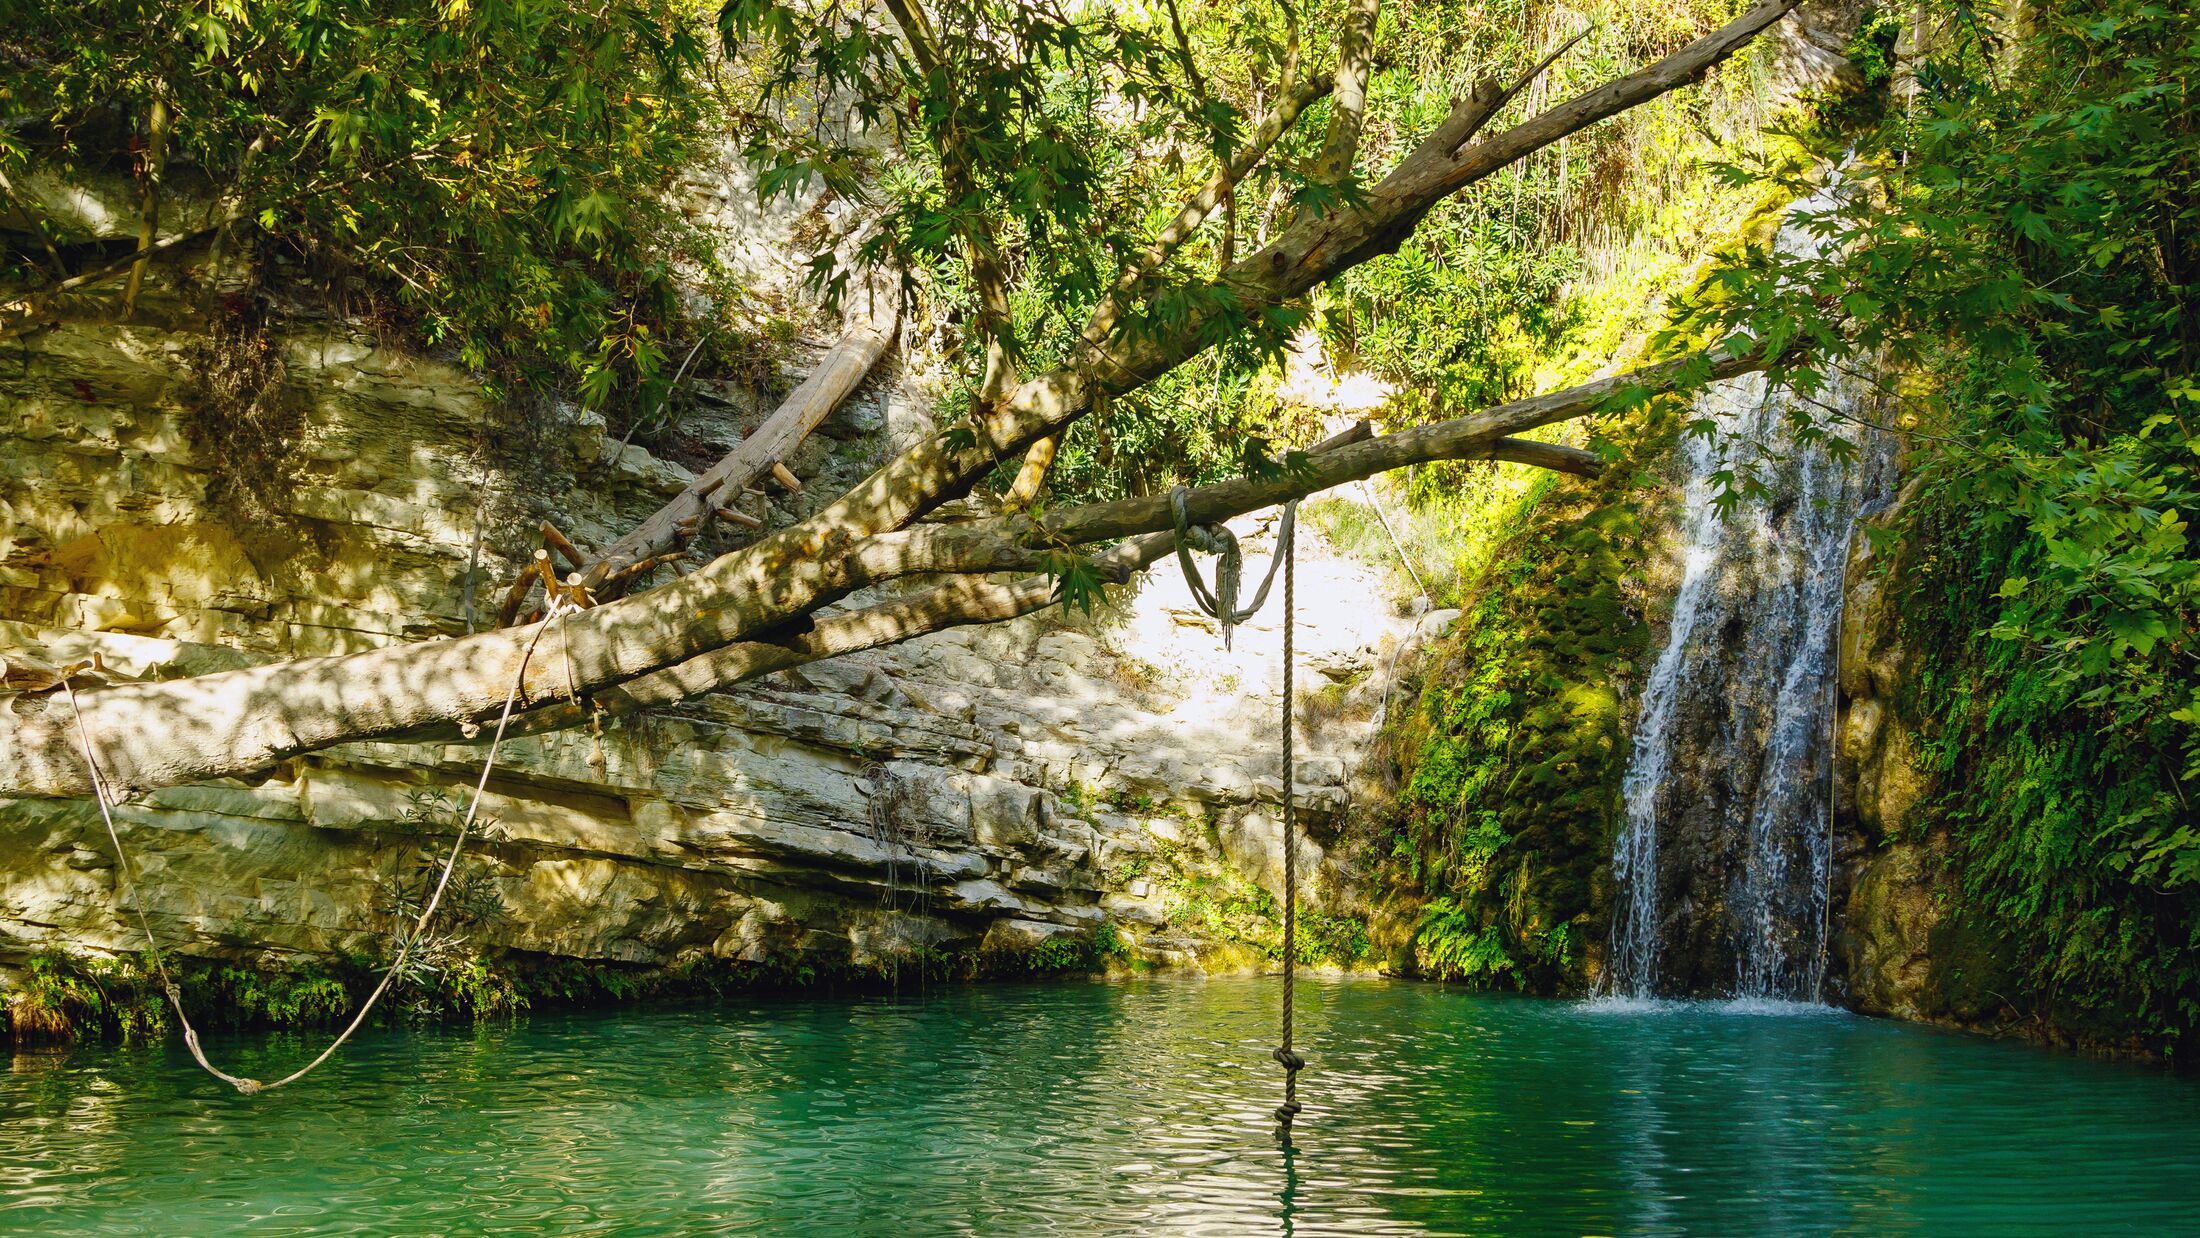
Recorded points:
(977, 791)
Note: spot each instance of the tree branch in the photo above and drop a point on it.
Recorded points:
(30, 307)
(958, 178)
(963, 601)
(1038, 458)
(1294, 98)
(156, 164)
(940, 469)
(1552, 456)
(1010, 543)
(1348, 111)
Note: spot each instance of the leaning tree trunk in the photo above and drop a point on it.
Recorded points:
(837, 375)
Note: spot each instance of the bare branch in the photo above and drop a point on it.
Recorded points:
(1038, 459)
(156, 165)
(1537, 70)
(836, 376)
(1552, 456)
(32, 307)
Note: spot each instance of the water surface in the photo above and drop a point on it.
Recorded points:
(1138, 1108)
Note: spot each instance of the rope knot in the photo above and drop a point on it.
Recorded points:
(1221, 602)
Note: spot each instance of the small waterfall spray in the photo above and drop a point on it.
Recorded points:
(1633, 960)
(1732, 743)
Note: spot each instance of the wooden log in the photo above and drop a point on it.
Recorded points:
(785, 477)
(836, 376)
(736, 516)
(549, 576)
(557, 541)
(515, 596)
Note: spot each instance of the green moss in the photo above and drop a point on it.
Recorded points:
(1216, 903)
(1509, 765)
(1069, 954)
(63, 998)
(60, 1000)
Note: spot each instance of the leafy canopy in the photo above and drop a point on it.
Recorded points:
(498, 166)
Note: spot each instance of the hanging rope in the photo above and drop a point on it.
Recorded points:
(1214, 539)
(127, 882)
(1221, 603)
(1292, 1063)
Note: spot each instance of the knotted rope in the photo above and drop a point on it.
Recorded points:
(1221, 603)
(1214, 539)
(127, 882)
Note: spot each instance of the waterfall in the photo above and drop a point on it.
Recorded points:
(1724, 859)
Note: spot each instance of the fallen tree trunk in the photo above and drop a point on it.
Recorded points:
(962, 602)
(837, 375)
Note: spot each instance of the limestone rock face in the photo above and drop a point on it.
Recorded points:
(1892, 912)
(987, 788)
(1890, 916)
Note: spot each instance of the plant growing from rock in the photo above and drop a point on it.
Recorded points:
(445, 966)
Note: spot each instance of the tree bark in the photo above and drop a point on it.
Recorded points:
(156, 165)
(1355, 61)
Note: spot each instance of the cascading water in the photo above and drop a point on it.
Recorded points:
(1723, 863)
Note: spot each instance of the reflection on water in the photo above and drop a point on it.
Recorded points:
(1138, 1108)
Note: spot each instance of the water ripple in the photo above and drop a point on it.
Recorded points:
(1136, 1109)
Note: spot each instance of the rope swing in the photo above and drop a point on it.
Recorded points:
(125, 881)
(1221, 603)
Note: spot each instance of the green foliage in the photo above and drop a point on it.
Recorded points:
(1065, 954)
(1871, 50)
(1053, 143)
(62, 998)
(1077, 583)
(306, 997)
(1501, 286)
(1452, 943)
(494, 166)
(2073, 932)
(1216, 903)
(1509, 764)
(2021, 247)
(444, 970)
